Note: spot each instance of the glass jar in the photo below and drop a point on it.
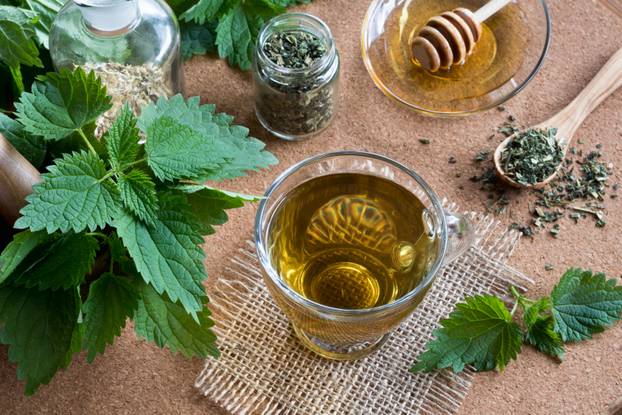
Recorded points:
(294, 104)
(132, 45)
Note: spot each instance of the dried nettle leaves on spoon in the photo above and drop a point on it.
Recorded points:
(532, 156)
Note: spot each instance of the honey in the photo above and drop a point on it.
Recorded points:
(487, 73)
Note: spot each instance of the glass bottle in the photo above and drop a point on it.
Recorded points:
(132, 45)
(294, 104)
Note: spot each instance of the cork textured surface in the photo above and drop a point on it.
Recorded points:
(134, 377)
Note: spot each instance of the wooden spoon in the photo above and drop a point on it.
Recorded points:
(568, 120)
(17, 176)
(449, 38)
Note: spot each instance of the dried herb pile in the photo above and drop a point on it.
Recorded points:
(296, 49)
(532, 156)
(580, 190)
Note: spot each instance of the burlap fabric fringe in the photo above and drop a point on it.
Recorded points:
(264, 369)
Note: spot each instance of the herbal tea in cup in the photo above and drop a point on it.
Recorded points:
(350, 243)
(351, 240)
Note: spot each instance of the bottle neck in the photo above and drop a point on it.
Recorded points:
(109, 17)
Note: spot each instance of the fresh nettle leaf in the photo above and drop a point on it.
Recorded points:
(167, 324)
(584, 304)
(542, 335)
(197, 39)
(75, 195)
(32, 147)
(39, 328)
(235, 152)
(17, 45)
(540, 326)
(176, 151)
(234, 38)
(122, 140)
(130, 219)
(138, 194)
(60, 263)
(46, 11)
(62, 103)
(167, 253)
(111, 301)
(22, 245)
(208, 204)
(234, 24)
(480, 332)
(202, 11)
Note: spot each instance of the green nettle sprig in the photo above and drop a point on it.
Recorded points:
(113, 230)
(482, 332)
(228, 27)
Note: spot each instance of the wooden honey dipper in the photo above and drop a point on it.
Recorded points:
(447, 39)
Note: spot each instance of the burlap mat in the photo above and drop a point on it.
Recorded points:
(265, 370)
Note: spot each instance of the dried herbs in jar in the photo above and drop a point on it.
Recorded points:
(296, 72)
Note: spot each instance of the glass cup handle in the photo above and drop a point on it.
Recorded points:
(460, 236)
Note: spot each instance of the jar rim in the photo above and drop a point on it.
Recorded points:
(323, 31)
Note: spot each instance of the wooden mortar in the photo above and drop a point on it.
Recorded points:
(17, 176)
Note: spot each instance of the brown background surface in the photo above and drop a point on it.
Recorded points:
(135, 377)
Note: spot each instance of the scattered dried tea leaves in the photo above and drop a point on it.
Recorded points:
(482, 156)
(532, 156)
(578, 192)
(294, 49)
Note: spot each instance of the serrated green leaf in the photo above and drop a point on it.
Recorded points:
(167, 324)
(539, 324)
(480, 332)
(248, 154)
(46, 11)
(122, 139)
(38, 326)
(76, 342)
(74, 195)
(234, 24)
(167, 254)
(23, 244)
(209, 204)
(139, 195)
(32, 147)
(542, 335)
(111, 301)
(197, 39)
(61, 103)
(176, 151)
(17, 32)
(239, 153)
(60, 263)
(584, 304)
(202, 11)
(234, 39)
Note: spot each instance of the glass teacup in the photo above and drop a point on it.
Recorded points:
(347, 333)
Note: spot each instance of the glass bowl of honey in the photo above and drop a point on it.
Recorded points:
(511, 50)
